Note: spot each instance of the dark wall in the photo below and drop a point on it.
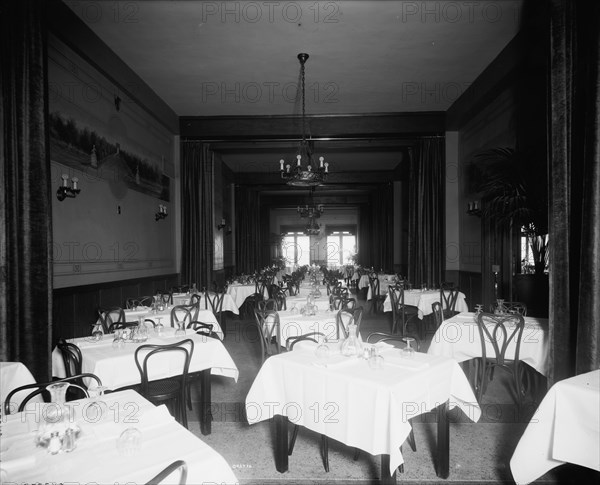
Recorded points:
(75, 308)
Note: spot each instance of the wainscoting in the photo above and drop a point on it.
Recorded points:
(74, 308)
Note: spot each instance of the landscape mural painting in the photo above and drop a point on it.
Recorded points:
(83, 149)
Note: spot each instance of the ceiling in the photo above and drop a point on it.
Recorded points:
(239, 58)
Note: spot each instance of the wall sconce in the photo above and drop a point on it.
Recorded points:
(162, 212)
(222, 225)
(474, 208)
(65, 191)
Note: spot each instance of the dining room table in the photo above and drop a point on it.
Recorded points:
(458, 337)
(294, 324)
(346, 399)
(13, 375)
(117, 438)
(240, 291)
(229, 304)
(565, 428)
(423, 299)
(115, 364)
(163, 317)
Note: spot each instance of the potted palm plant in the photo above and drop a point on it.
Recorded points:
(513, 187)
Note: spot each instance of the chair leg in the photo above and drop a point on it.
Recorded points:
(293, 440)
(325, 452)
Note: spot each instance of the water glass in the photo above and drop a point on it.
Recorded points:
(180, 332)
(375, 359)
(130, 442)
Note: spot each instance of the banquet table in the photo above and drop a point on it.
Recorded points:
(423, 300)
(458, 338)
(564, 429)
(229, 304)
(295, 324)
(384, 281)
(97, 457)
(116, 366)
(240, 292)
(164, 317)
(13, 375)
(361, 407)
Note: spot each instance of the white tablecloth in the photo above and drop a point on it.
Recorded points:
(239, 293)
(564, 429)
(228, 302)
(96, 458)
(384, 281)
(13, 375)
(205, 316)
(458, 337)
(293, 325)
(116, 367)
(423, 300)
(356, 405)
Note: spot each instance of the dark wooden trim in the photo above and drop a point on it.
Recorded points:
(70, 29)
(375, 125)
(74, 307)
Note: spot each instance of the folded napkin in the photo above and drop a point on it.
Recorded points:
(334, 360)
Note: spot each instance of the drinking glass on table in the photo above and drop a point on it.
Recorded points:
(158, 329)
(180, 332)
(408, 352)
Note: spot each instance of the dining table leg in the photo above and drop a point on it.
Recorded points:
(443, 441)
(281, 443)
(386, 478)
(205, 402)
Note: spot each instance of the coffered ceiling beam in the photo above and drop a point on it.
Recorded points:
(224, 128)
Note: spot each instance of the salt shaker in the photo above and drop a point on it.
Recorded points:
(68, 443)
(54, 445)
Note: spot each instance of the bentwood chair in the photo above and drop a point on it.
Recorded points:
(160, 478)
(344, 318)
(402, 314)
(438, 314)
(448, 298)
(109, 316)
(172, 389)
(377, 298)
(502, 332)
(137, 301)
(40, 388)
(268, 327)
(214, 302)
(183, 315)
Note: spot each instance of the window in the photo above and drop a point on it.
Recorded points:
(341, 246)
(295, 249)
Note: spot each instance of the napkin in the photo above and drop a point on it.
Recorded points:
(334, 360)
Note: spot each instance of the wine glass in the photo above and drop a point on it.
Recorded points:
(408, 352)
(322, 352)
(180, 332)
(158, 329)
(293, 310)
(375, 359)
(118, 341)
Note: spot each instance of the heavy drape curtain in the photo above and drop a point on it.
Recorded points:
(197, 240)
(25, 208)
(574, 188)
(248, 230)
(426, 212)
(382, 237)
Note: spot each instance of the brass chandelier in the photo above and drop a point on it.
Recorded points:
(312, 174)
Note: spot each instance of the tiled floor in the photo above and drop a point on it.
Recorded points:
(480, 452)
